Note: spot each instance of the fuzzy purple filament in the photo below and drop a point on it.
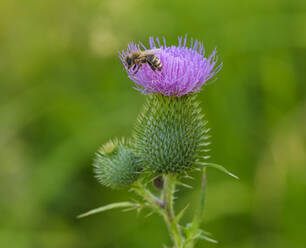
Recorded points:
(184, 69)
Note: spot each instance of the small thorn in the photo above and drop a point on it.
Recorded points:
(149, 214)
(206, 143)
(128, 209)
(189, 177)
(185, 185)
(207, 130)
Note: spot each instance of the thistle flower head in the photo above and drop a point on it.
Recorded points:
(184, 69)
(116, 164)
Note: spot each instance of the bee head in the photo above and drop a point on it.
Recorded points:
(128, 61)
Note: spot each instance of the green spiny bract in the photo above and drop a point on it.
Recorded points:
(116, 164)
(170, 133)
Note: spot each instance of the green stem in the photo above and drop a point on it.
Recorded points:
(154, 202)
(164, 206)
(169, 214)
(202, 196)
(198, 217)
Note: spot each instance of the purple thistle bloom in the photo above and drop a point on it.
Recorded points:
(184, 69)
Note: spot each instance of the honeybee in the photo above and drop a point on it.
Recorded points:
(138, 58)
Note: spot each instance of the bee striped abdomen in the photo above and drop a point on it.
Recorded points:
(155, 63)
(158, 63)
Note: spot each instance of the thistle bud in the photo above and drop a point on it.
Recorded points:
(170, 133)
(116, 164)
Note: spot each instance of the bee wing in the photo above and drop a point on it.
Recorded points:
(150, 52)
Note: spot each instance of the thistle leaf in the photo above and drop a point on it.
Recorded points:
(218, 167)
(193, 232)
(202, 236)
(109, 207)
(181, 214)
(149, 214)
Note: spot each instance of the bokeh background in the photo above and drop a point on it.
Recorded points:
(63, 93)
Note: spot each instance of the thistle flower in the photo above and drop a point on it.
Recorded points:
(184, 69)
(170, 133)
(116, 164)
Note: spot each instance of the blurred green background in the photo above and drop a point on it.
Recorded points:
(63, 93)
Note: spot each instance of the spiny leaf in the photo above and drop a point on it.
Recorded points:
(191, 228)
(202, 236)
(184, 185)
(218, 167)
(109, 207)
(193, 233)
(188, 177)
(206, 233)
(149, 214)
(138, 207)
(181, 214)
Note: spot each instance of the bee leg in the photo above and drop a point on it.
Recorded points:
(139, 66)
(151, 65)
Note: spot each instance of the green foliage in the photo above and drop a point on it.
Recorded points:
(217, 167)
(126, 205)
(170, 133)
(116, 164)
